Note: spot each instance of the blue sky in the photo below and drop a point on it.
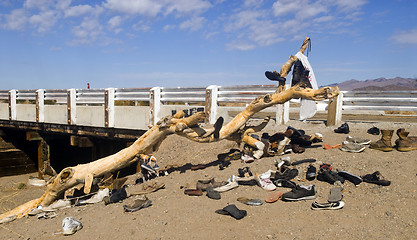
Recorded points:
(145, 43)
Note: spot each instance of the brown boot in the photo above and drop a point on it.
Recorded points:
(383, 144)
(404, 142)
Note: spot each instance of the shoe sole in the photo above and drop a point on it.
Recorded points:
(298, 199)
(318, 207)
(350, 150)
(383, 149)
(406, 149)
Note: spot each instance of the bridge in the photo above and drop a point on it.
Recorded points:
(104, 121)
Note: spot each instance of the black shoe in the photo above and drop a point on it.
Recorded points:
(300, 192)
(296, 132)
(284, 183)
(308, 160)
(300, 75)
(350, 177)
(274, 76)
(344, 128)
(116, 196)
(374, 131)
(217, 126)
(376, 178)
(244, 172)
(233, 211)
(311, 173)
(329, 176)
(287, 173)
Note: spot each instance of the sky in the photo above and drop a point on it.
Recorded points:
(61, 44)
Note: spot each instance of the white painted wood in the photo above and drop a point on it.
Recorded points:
(72, 106)
(212, 93)
(109, 107)
(40, 105)
(155, 104)
(12, 104)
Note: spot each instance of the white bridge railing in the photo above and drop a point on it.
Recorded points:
(137, 108)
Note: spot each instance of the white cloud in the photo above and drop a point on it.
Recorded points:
(143, 7)
(87, 32)
(186, 6)
(193, 24)
(406, 37)
(41, 4)
(350, 5)
(78, 10)
(240, 46)
(44, 21)
(16, 20)
(114, 24)
(169, 27)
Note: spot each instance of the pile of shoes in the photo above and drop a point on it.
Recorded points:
(149, 167)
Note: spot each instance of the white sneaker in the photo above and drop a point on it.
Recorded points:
(227, 187)
(265, 182)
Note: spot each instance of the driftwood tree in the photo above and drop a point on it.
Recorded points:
(149, 142)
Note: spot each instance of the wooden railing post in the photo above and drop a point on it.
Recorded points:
(12, 105)
(334, 110)
(40, 105)
(71, 106)
(155, 104)
(109, 107)
(212, 92)
(283, 111)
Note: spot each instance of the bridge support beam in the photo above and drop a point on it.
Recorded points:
(212, 92)
(12, 105)
(40, 105)
(155, 105)
(44, 155)
(109, 107)
(71, 106)
(283, 111)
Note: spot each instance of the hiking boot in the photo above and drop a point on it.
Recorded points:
(311, 173)
(405, 143)
(344, 128)
(374, 131)
(352, 147)
(300, 192)
(358, 140)
(383, 144)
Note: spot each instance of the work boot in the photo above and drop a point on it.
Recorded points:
(383, 144)
(404, 142)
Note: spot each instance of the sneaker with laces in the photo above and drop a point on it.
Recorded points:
(352, 147)
(329, 176)
(300, 192)
(358, 140)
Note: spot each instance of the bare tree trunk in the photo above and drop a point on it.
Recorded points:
(149, 142)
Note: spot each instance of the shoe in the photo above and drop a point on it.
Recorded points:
(327, 146)
(244, 172)
(405, 143)
(376, 178)
(327, 206)
(344, 128)
(301, 192)
(213, 194)
(357, 140)
(297, 149)
(295, 132)
(265, 182)
(335, 195)
(227, 187)
(350, 177)
(150, 165)
(286, 173)
(217, 126)
(311, 173)
(274, 76)
(383, 144)
(273, 197)
(373, 131)
(233, 154)
(193, 192)
(204, 184)
(302, 141)
(115, 196)
(307, 160)
(316, 137)
(329, 176)
(233, 211)
(284, 183)
(352, 147)
(70, 226)
(137, 205)
(250, 201)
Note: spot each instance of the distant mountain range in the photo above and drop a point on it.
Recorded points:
(379, 84)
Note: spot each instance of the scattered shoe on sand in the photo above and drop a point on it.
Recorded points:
(301, 192)
(376, 178)
(344, 128)
(233, 211)
(250, 201)
(358, 140)
(384, 144)
(273, 197)
(352, 147)
(327, 206)
(137, 204)
(335, 195)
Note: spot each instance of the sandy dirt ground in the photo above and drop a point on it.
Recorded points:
(370, 211)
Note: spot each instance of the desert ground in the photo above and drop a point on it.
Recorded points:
(370, 211)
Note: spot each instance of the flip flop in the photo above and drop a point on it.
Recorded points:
(251, 202)
(233, 211)
(273, 197)
(335, 195)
